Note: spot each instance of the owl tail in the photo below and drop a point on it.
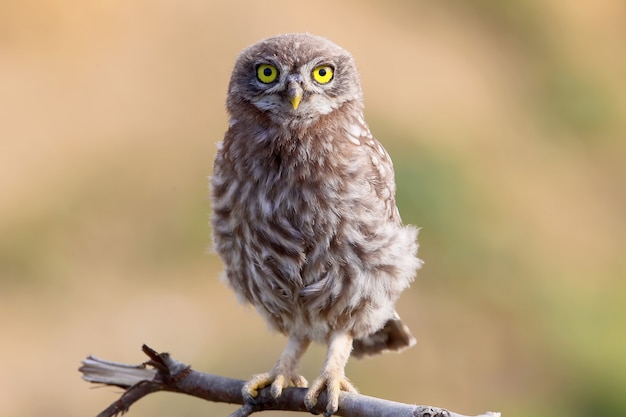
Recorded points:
(395, 336)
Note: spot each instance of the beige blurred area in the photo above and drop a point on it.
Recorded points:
(506, 122)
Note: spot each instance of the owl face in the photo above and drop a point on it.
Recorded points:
(296, 77)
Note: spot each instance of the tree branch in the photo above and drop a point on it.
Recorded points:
(163, 373)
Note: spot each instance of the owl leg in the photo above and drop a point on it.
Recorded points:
(283, 374)
(332, 377)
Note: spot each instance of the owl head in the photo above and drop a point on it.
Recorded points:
(293, 78)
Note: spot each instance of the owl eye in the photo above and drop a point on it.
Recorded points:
(266, 73)
(323, 74)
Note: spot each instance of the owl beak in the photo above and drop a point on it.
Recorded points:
(295, 100)
(294, 94)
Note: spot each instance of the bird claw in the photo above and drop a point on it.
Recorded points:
(333, 386)
(277, 381)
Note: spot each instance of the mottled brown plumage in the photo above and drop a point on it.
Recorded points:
(304, 212)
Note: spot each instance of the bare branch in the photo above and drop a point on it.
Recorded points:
(163, 373)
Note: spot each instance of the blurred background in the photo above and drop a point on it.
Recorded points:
(507, 125)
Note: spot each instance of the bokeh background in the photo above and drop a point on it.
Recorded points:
(507, 124)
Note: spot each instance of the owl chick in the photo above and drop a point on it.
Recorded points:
(304, 212)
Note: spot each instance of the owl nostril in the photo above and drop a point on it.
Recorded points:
(294, 88)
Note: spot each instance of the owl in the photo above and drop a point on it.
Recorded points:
(304, 213)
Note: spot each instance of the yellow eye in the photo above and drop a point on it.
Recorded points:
(266, 73)
(323, 74)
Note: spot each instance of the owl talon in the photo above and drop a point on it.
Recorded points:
(333, 386)
(276, 381)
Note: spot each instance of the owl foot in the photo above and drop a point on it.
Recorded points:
(277, 381)
(333, 384)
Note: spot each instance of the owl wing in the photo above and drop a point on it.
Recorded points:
(394, 335)
(381, 173)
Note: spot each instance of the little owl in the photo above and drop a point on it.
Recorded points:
(304, 212)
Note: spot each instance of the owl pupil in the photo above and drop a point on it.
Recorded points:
(322, 72)
(267, 72)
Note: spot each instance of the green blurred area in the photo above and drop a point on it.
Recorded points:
(506, 124)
